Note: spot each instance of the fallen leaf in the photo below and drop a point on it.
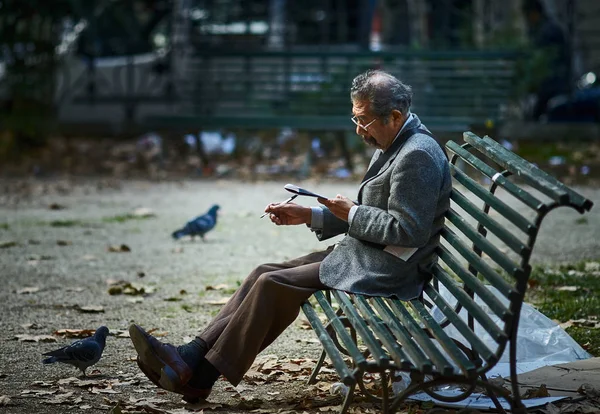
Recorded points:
(74, 289)
(123, 248)
(89, 257)
(28, 290)
(589, 390)
(222, 286)
(567, 288)
(143, 212)
(540, 392)
(221, 301)
(64, 242)
(35, 338)
(74, 333)
(89, 309)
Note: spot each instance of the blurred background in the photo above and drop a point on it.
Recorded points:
(256, 89)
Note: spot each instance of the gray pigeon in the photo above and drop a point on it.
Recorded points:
(82, 353)
(198, 226)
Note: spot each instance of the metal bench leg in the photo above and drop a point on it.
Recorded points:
(317, 368)
(348, 399)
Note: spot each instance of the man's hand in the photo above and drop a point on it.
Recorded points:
(289, 214)
(340, 206)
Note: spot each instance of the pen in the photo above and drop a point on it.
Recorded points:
(283, 202)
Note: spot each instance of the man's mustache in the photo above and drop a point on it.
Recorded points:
(369, 140)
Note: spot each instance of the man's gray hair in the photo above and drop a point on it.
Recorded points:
(383, 91)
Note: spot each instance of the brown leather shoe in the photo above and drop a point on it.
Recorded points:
(188, 393)
(161, 359)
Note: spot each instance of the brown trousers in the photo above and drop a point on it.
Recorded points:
(266, 303)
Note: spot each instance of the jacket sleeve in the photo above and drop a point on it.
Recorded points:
(332, 226)
(414, 189)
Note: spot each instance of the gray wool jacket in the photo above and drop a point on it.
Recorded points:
(402, 206)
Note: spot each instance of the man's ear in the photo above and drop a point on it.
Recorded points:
(397, 116)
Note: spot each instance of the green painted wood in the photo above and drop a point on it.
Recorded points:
(334, 355)
(479, 264)
(472, 339)
(442, 364)
(473, 283)
(484, 244)
(396, 352)
(470, 305)
(495, 176)
(341, 332)
(420, 360)
(361, 327)
(467, 367)
(490, 224)
(519, 167)
(500, 206)
(534, 176)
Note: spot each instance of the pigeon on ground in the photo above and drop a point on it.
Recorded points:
(198, 226)
(82, 353)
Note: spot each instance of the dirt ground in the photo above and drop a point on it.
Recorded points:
(55, 266)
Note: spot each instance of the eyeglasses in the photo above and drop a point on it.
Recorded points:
(357, 123)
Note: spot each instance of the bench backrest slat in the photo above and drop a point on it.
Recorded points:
(460, 324)
(488, 222)
(484, 244)
(535, 177)
(473, 283)
(470, 305)
(479, 264)
(496, 176)
(494, 202)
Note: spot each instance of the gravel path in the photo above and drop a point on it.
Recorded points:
(68, 267)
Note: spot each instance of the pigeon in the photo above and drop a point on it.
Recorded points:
(82, 353)
(198, 226)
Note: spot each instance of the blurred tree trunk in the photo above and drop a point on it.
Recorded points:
(29, 33)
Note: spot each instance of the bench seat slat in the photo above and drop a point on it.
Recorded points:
(442, 364)
(484, 244)
(478, 345)
(489, 223)
(479, 264)
(420, 360)
(397, 353)
(329, 346)
(473, 283)
(469, 304)
(490, 199)
(337, 325)
(436, 331)
(360, 326)
(495, 176)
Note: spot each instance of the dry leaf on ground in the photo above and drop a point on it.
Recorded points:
(35, 338)
(28, 290)
(123, 248)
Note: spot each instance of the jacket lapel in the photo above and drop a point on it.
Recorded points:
(415, 122)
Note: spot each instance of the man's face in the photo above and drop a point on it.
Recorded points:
(377, 133)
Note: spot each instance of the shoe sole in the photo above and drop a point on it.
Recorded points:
(191, 399)
(168, 380)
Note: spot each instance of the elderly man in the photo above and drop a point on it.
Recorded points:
(391, 236)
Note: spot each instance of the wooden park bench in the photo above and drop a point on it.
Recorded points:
(486, 242)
